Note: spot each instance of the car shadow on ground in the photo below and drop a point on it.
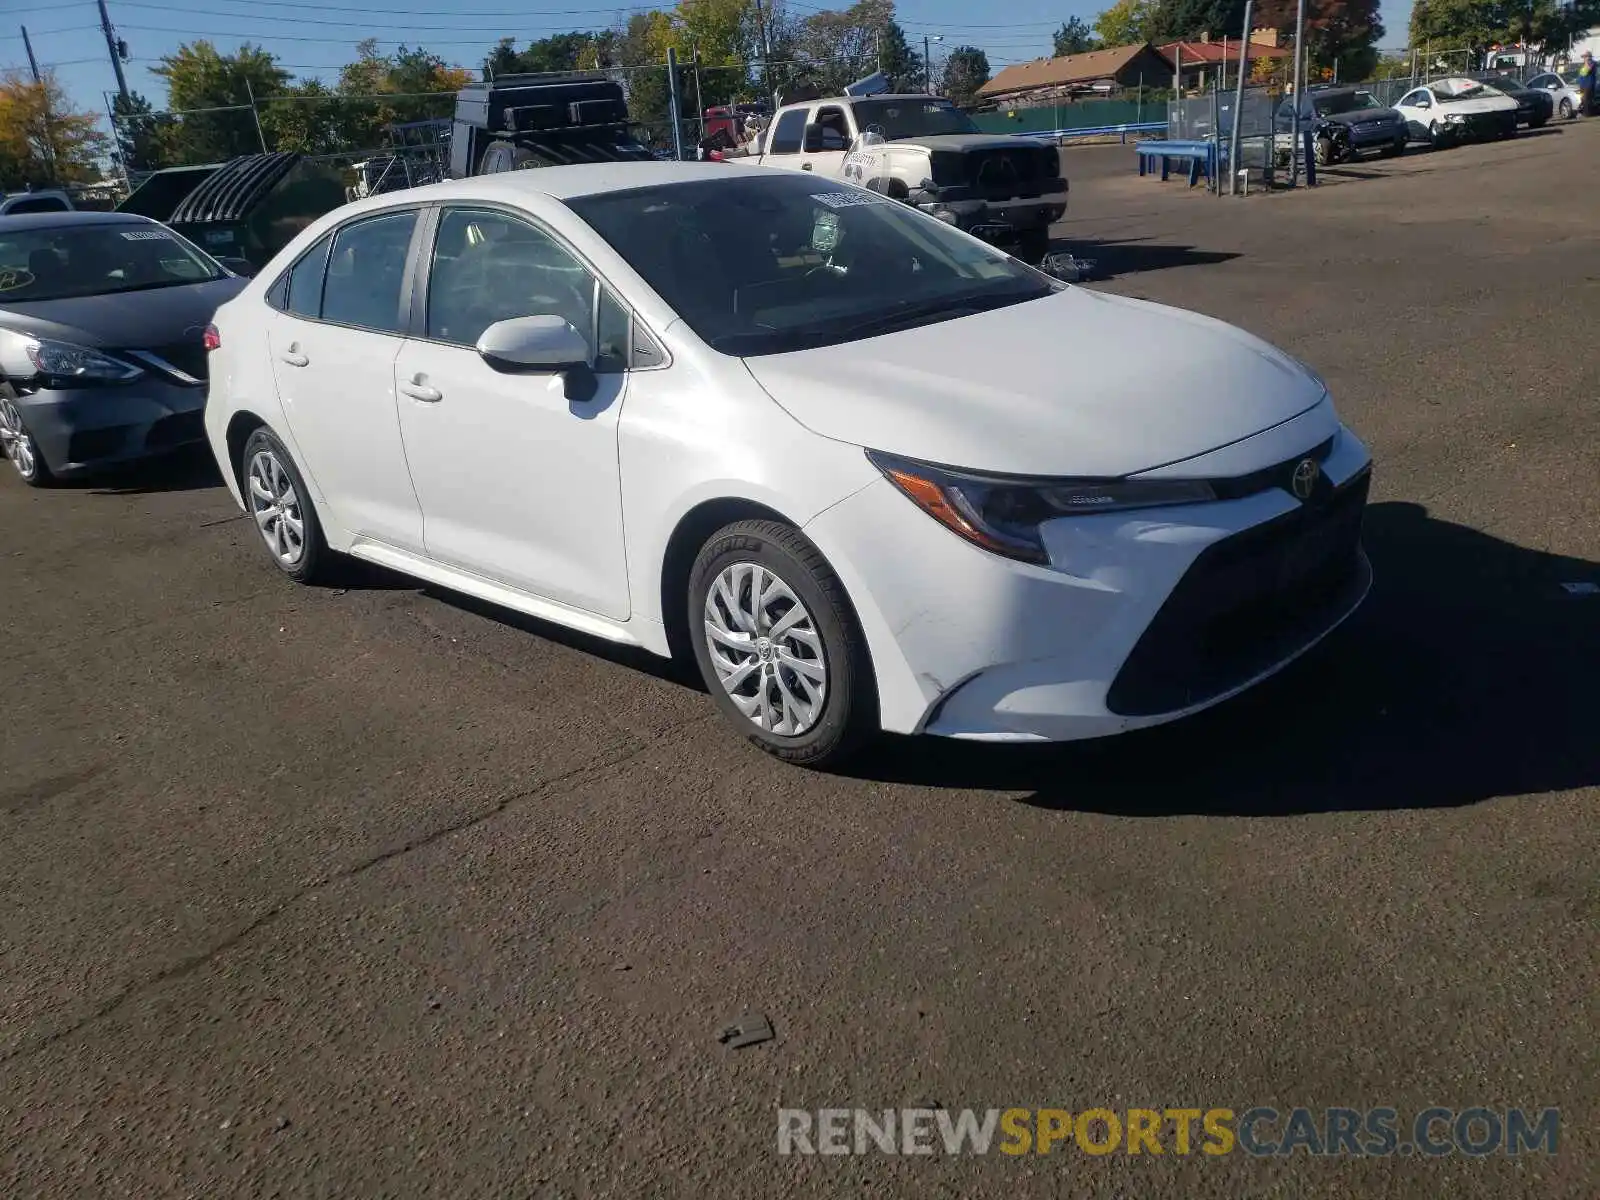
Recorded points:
(185, 471)
(1132, 256)
(1470, 673)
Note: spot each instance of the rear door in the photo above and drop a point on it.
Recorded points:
(333, 344)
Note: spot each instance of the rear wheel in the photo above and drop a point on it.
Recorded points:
(778, 645)
(20, 448)
(280, 505)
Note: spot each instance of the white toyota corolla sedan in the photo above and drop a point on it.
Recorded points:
(866, 470)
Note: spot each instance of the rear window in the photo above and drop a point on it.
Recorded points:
(37, 204)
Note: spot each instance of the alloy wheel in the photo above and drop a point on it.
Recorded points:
(765, 649)
(18, 445)
(275, 504)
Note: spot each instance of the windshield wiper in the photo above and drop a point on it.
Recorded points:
(909, 314)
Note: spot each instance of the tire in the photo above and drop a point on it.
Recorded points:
(1393, 150)
(1567, 111)
(19, 447)
(265, 466)
(1510, 131)
(1436, 136)
(1033, 245)
(826, 640)
(1324, 152)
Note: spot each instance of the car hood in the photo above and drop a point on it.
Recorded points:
(1361, 116)
(1486, 104)
(964, 141)
(125, 320)
(1077, 383)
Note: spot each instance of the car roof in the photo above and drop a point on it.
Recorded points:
(57, 220)
(564, 183)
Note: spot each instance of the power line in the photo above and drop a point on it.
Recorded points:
(39, 33)
(387, 14)
(284, 37)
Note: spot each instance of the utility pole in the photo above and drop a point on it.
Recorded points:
(766, 55)
(672, 104)
(927, 67)
(1299, 91)
(114, 48)
(33, 63)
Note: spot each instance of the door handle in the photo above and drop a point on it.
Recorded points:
(293, 357)
(805, 166)
(421, 391)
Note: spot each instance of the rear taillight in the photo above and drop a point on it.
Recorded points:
(212, 340)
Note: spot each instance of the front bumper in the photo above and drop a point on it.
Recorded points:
(994, 220)
(79, 430)
(1141, 618)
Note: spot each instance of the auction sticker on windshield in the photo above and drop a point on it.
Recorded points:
(849, 199)
(148, 235)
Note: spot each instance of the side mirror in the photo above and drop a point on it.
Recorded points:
(534, 345)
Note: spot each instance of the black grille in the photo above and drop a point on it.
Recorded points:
(188, 357)
(1013, 171)
(1246, 604)
(176, 430)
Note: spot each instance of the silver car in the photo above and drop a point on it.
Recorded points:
(1562, 84)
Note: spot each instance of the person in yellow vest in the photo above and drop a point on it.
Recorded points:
(1586, 85)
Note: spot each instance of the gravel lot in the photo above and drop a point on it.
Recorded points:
(379, 892)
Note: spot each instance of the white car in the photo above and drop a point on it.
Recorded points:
(866, 470)
(1563, 88)
(1447, 111)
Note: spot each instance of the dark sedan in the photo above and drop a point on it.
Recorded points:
(103, 321)
(1345, 120)
(1535, 106)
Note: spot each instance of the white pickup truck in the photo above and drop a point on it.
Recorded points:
(926, 151)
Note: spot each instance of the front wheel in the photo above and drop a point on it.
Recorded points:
(778, 644)
(20, 448)
(1566, 110)
(280, 505)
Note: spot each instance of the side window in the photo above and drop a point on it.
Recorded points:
(42, 204)
(367, 272)
(788, 133)
(300, 290)
(834, 127)
(490, 267)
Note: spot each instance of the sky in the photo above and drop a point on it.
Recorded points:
(317, 38)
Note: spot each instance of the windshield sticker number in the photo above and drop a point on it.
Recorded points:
(148, 235)
(13, 278)
(848, 199)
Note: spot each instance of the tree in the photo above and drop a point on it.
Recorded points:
(43, 139)
(143, 139)
(840, 46)
(965, 71)
(379, 90)
(1475, 25)
(575, 51)
(1074, 37)
(307, 119)
(198, 77)
(898, 62)
(1127, 22)
(1341, 35)
(1178, 19)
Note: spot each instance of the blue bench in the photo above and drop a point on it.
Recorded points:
(1201, 157)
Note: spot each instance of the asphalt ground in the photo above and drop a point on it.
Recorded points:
(376, 891)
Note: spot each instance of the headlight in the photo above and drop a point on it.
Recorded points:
(64, 362)
(1004, 515)
(1452, 118)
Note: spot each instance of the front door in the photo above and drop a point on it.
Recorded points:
(827, 141)
(517, 473)
(333, 342)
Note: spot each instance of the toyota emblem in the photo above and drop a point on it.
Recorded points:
(1304, 480)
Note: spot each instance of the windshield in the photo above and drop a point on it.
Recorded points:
(1450, 90)
(1337, 102)
(780, 261)
(1365, 100)
(919, 116)
(64, 261)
